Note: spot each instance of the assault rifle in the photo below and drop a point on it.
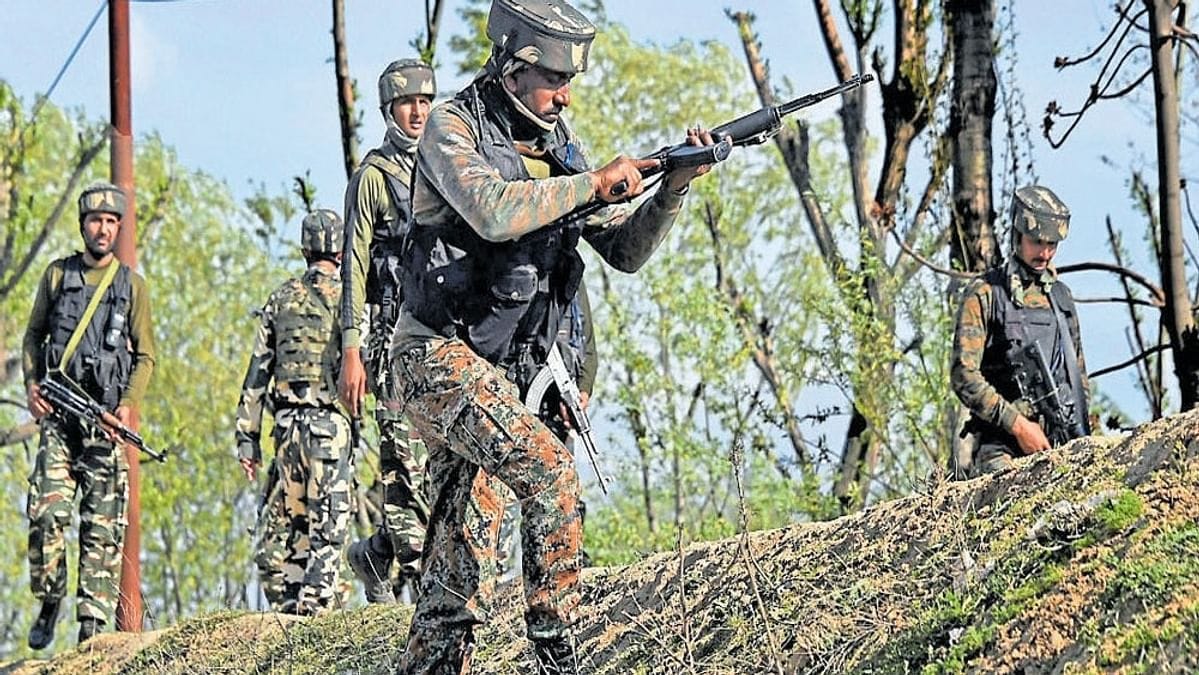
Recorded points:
(69, 399)
(555, 373)
(752, 129)
(1061, 417)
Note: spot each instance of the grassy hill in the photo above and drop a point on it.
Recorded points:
(1080, 560)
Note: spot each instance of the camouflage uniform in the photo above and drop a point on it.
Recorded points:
(295, 359)
(478, 292)
(980, 370)
(377, 211)
(112, 363)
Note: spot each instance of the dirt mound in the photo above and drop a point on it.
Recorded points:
(1080, 560)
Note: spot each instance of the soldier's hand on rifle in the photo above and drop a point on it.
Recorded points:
(622, 170)
(351, 385)
(584, 399)
(1029, 435)
(681, 177)
(38, 406)
(110, 420)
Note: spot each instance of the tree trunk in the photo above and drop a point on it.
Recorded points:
(974, 247)
(1180, 323)
(345, 90)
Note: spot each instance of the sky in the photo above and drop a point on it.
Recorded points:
(245, 91)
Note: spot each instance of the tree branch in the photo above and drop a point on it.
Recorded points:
(64, 198)
(1124, 364)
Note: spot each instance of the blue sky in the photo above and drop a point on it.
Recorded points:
(245, 92)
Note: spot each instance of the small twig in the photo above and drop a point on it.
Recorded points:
(925, 261)
(1136, 359)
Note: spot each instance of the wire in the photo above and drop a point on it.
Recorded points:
(62, 71)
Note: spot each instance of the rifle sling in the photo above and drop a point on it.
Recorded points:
(109, 274)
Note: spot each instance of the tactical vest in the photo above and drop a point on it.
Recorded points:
(304, 349)
(1011, 328)
(495, 295)
(383, 275)
(103, 359)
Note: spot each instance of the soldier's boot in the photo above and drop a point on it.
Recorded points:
(42, 633)
(88, 628)
(373, 570)
(556, 656)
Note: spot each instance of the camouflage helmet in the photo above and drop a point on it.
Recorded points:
(104, 197)
(406, 77)
(1039, 213)
(322, 232)
(547, 33)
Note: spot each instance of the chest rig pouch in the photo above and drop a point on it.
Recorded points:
(103, 359)
(496, 295)
(1009, 363)
(304, 325)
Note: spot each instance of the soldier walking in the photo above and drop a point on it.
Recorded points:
(90, 328)
(293, 370)
(489, 269)
(377, 210)
(1007, 315)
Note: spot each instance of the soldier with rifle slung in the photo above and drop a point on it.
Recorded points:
(293, 372)
(1017, 357)
(89, 331)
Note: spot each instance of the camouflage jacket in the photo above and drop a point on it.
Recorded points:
(261, 389)
(972, 335)
(456, 186)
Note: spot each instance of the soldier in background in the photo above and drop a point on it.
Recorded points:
(90, 326)
(377, 211)
(293, 369)
(1003, 313)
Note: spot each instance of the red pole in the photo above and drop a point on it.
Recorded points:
(129, 607)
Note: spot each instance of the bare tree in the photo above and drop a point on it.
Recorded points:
(350, 121)
(869, 283)
(1164, 22)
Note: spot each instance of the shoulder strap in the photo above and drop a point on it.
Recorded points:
(388, 167)
(88, 313)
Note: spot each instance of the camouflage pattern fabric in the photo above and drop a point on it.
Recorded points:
(480, 437)
(71, 462)
(314, 451)
(304, 528)
(971, 335)
(1039, 213)
(271, 552)
(402, 460)
(548, 33)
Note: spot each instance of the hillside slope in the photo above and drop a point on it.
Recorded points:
(1084, 559)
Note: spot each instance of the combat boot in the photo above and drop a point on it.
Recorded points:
(88, 628)
(556, 656)
(42, 632)
(373, 570)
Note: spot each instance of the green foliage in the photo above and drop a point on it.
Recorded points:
(1156, 574)
(206, 273)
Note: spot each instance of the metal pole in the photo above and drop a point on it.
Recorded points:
(129, 607)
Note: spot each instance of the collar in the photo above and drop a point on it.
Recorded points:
(1021, 277)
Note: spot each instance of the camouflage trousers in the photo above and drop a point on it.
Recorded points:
(73, 462)
(481, 438)
(402, 460)
(991, 457)
(308, 522)
(271, 553)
